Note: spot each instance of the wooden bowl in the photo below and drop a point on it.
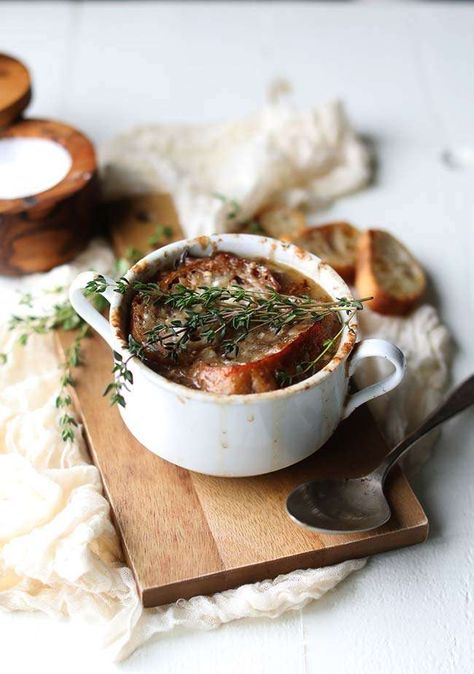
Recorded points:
(41, 231)
(55, 220)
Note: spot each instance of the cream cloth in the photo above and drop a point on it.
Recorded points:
(309, 157)
(59, 551)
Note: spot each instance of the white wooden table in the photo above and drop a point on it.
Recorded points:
(405, 70)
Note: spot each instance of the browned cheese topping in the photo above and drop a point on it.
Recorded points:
(261, 353)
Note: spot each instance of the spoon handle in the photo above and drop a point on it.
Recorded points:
(460, 398)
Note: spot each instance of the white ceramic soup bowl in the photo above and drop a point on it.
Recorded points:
(237, 435)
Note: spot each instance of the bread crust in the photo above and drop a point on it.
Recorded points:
(335, 243)
(376, 274)
(194, 273)
(254, 369)
(281, 222)
(260, 375)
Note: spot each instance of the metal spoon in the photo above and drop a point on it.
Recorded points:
(359, 504)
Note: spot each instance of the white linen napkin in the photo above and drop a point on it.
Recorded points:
(294, 156)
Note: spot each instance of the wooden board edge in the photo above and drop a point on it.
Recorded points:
(233, 578)
(63, 340)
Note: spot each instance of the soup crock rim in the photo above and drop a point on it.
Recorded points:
(139, 270)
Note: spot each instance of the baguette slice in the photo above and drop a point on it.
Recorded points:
(223, 270)
(302, 343)
(261, 354)
(387, 271)
(282, 222)
(335, 243)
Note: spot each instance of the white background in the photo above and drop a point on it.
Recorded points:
(406, 73)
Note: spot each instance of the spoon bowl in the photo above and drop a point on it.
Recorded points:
(358, 504)
(339, 506)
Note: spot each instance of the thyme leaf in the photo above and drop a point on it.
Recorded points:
(308, 368)
(123, 377)
(233, 206)
(67, 422)
(225, 316)
(100, 284)
(61, 317)
(161, 234)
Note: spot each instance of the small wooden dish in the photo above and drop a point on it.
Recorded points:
(40, 231)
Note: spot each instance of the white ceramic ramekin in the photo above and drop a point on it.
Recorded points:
(238, 435)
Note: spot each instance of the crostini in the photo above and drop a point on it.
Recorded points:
(335, 243)
(281, 222)
(388, 272)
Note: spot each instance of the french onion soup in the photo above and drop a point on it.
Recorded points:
(230, 325)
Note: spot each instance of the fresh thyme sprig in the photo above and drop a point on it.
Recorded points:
(228, 315)
(26, 300)
(234, 209)
(67, 422)
(233, 206)
(308, 368)
(62, 316)
(161, 235)
(123, 376)
(99, 285)
(225, 316)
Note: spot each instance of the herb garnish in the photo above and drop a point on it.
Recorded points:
(67, 422)
(225, 316)
(234, 209)
(228, 315)
(162, 233)
(308, 368)
(61, 317)
(122, 377)
(233, 206)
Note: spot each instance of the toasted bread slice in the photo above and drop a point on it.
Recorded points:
(335, 243)
(387, 271)
(300, 344)
(261, 354)
(282, 222)
(223, 269)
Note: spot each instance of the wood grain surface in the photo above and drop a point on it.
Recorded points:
(137, 223)
(15, 89)
(185, 533)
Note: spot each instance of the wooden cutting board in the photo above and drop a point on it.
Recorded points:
(184, 533)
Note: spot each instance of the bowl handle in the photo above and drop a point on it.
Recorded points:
(86, 310)
(369, 348)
